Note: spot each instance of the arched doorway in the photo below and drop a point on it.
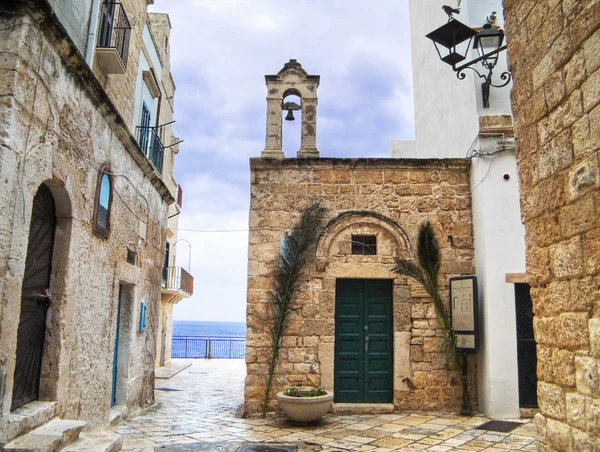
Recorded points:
(35, 299)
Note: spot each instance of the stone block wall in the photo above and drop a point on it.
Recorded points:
(389, 198)
(57, 127)
(554, 53)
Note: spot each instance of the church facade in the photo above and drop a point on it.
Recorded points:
(349, 300)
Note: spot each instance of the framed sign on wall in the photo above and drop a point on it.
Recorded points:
(464, 312)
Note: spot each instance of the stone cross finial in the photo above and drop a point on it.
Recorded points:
(292, 80)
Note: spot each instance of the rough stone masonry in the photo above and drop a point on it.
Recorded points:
(554, 53)
(387, 198)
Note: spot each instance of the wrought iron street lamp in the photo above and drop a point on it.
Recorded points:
(449, 41)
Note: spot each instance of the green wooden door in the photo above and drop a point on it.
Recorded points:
(364, 353)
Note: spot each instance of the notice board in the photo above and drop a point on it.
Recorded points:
(464, 312)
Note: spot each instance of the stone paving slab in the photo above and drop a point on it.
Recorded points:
(237, 447)
(205, 414)
(171, 369)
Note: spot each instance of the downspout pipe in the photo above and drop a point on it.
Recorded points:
(91, 40)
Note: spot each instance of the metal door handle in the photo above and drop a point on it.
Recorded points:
(366, 343)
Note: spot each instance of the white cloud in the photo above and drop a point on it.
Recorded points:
(220, 52)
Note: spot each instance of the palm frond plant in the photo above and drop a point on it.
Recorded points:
(426, 273)
(293, 259)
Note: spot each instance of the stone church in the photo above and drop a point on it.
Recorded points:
(375, 207)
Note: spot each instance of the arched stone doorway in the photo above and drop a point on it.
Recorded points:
(368, 359)
(35, 299)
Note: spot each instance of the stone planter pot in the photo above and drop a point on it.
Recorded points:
(305, 409)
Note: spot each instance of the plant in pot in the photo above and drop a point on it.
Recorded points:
(293, 260)
(306, 405)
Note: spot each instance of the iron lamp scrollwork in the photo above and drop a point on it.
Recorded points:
(452, 42)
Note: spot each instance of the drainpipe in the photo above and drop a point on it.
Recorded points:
(91, 41)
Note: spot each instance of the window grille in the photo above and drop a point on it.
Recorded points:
(364, 244)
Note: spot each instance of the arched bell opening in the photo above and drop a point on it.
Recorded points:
(291, 81)
(291, 110)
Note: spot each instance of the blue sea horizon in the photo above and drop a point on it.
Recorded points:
(208, 329)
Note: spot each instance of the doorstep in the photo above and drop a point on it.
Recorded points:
(363, 408)
(28, 417)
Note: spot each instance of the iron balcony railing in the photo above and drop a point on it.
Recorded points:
(177, 279)
(152, 146)
(115, 29)
(208, 347)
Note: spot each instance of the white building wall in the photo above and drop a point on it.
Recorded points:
(445, 109)
(75, 17)
(447, 112)
(499, 249)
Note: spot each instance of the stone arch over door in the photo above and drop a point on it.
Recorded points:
(41, 365)
(334, 261)
(334, 245)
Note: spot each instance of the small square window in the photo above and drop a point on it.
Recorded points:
(364, 244)
(131, 255)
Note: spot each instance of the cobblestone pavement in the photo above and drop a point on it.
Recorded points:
(203, 405)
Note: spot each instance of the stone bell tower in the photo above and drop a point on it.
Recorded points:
(292, 80)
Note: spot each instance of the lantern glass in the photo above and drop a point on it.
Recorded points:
(452, 41)
(486, 41)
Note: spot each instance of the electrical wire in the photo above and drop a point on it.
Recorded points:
(485, 175)
(502, 145)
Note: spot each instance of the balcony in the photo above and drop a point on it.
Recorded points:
(176, 281)
(152, 146)
(112, 48)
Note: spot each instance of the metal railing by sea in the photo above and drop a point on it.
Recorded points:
(211, 347)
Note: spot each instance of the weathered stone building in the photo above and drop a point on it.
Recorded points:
(554, 56)
(87, 177)
(379, 201)
(177, 283)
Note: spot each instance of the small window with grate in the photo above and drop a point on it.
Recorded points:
(364, 244)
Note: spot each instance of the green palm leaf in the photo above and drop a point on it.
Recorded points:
(426, 273)
(428, 251)
(292, 263)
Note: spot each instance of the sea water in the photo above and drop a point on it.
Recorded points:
(193, 339)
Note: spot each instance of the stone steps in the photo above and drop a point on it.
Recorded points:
(115, 416)
(65, 436)
(96, 442)
(50, 437)
(27, 418)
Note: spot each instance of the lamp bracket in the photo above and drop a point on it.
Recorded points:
(504, 76)
(507, 76)
(460, 74)
(476, 60)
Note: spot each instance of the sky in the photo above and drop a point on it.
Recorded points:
(220, 53)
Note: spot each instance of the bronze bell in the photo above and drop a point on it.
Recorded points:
(290, 107)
